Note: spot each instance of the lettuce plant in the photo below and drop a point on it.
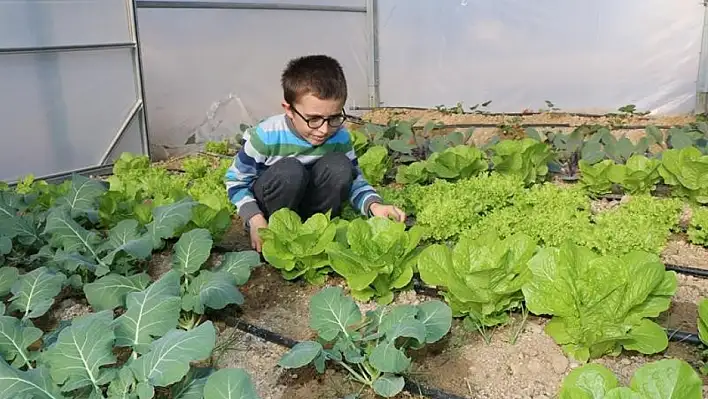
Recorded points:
(374, 164)
(481, 279)
(600, 304)
(372, 348)
(458, 162)
(595, 178)
(661, 379)
(378, 257)
(297, 248)
(638, 176)
(527, 159)
(698, 227)
(686, 170)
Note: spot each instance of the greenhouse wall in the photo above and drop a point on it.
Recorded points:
(211, 67)
(70, 90)
(207, 70)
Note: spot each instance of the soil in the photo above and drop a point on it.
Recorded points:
(681, 253)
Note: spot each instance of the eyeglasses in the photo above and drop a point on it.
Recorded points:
(316, 121)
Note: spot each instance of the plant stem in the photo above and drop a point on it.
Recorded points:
(356, 375)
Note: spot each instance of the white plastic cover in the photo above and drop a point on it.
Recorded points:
(32, 23)
(208, 71)
(60, 111)
(590, 55)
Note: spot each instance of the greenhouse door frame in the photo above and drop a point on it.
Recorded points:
(137, 110)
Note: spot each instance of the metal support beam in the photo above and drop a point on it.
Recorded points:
(138, 58)
(373, 31)
(77, 47)
(121, 130)
(225, 5)
(702, 81)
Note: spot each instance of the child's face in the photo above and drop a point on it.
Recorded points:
(309, 107)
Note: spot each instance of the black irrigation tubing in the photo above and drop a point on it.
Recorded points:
(691, 271)
(674, 335)
(278, 339)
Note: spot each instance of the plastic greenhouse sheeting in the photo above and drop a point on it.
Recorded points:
(208, 71)
(586, 55)
(60, 109)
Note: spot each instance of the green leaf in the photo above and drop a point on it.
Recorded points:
(655, 133)
(214, 290)
(667, 378)
(15, 337)
(5, 245)
(591, 381)
(169, 357)
(126, 237)
(33, 293)
(230, 384)
(332, 313)
(437, 318)
(167, 219)
(300, 355)
(389, 359)
(35, 384)
(150, 313)
(192, 386)
(389, 385)
(240, 265)
(110, 291)
(76, 359)
(71, 236)
(191, 251)
(123, 385)
(8, 276)
(82, 196)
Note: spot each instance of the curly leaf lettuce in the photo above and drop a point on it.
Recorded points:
(600, 304)
(482, 278)
(379, 257)
(297, 248)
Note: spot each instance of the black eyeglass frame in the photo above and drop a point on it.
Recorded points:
(322, 119)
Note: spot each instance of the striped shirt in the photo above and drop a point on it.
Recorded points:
(272, 140)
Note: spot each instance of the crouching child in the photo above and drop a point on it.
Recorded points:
(302, 159)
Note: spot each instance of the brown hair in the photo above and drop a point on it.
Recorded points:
(319, 75)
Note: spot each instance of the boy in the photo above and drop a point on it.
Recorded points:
(303, 159)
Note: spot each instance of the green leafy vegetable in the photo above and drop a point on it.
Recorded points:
(297, 248)
(371, 348)
(661, 379)
(528, 159)
(379, 258)
(600, 304)
(374, 164)
(687, 171)
(482, 278)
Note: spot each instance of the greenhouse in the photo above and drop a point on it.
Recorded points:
(527, 215)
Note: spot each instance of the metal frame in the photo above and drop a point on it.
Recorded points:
(702, 81)
(226, 5)
(136, 110)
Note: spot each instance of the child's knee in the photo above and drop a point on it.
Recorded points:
(339, 168)
(290, 174)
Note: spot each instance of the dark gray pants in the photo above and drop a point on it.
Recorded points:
(318, 188)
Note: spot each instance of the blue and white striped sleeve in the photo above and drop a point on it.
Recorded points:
(361, 194)
(246, 167)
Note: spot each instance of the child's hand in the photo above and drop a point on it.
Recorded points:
(388, 211)
(257, 222)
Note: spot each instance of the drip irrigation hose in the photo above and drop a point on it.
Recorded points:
(275, 338)
(691, 271)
